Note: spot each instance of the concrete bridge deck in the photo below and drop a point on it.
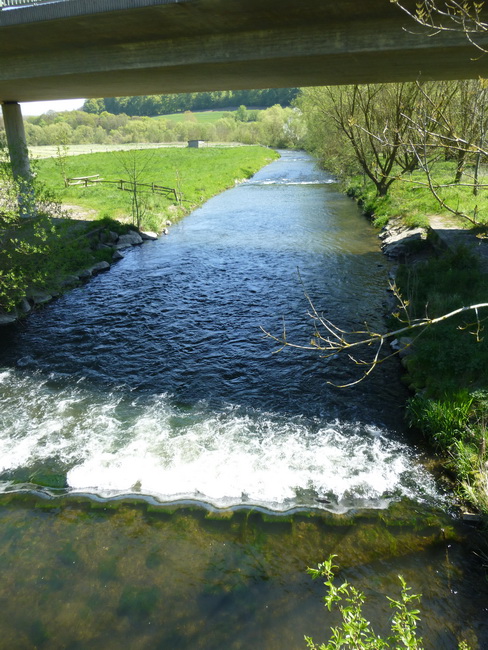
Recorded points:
(101, 48)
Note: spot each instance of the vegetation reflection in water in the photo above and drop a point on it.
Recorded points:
(79, 573)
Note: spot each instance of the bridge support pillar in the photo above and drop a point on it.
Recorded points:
(19, 155)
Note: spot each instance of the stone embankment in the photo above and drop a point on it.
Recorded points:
(100, 239)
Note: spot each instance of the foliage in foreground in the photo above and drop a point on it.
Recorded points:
(354, 631)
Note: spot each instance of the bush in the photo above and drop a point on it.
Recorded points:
(355, 632)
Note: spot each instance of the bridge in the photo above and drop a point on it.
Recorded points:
(98, 48)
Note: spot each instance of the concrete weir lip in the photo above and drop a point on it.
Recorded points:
(101, 48)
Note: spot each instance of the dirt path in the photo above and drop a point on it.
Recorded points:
(78, 212)
(451, 235)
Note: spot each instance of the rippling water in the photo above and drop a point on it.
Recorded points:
(151, 391)
(156, 379)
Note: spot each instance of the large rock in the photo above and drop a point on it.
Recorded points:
(24, 306)
(399, 240)
(8, 318)
(70, 281)
(148, 235)
(99, 267)
(39, 297)
(132, 238)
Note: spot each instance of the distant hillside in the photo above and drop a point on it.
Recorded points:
(151, 105)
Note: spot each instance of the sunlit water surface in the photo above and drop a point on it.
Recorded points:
(155, 381)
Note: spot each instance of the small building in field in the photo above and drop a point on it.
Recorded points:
(196, 144)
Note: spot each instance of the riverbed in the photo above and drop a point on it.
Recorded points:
(167, 475)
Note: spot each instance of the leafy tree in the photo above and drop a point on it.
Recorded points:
(372, 120)
(150, 105)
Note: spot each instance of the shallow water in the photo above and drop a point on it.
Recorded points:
(154, 381)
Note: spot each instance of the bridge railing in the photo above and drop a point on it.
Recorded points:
(20, 3)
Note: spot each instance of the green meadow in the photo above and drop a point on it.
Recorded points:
(201, 117)
(197, 174)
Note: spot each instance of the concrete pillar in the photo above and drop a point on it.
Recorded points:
(19, 155)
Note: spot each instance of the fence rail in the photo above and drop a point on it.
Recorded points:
(127, 186)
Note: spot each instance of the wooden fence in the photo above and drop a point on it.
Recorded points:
(124, 185)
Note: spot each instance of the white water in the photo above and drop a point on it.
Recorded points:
(114, 444)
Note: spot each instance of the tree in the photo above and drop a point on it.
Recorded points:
(373, 121)
(451, 125)
(136, 163)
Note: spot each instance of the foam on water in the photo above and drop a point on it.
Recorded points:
(114, 443)
(286, 181)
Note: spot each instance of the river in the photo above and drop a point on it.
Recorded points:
(167, 475)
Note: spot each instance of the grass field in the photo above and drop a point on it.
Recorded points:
(202, 117)
(52, 151)
(197, 173)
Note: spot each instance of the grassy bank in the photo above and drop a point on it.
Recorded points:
(410, 197)
(197, 174)
(447, 368)
(38, 254)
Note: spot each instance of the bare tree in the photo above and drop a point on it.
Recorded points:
(328, 340)
(136, 164)
(373, 120)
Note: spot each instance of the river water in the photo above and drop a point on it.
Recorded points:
(167, 475)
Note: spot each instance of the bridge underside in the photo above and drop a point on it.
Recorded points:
(132, 47)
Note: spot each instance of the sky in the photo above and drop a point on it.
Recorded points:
(38, 108)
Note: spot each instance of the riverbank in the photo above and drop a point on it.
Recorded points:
(442, 266)
(192, 176)
(78, 227)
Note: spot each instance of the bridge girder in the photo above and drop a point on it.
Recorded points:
(108, 48)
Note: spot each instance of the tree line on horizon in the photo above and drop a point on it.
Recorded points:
(152, 105)
(274, 127)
